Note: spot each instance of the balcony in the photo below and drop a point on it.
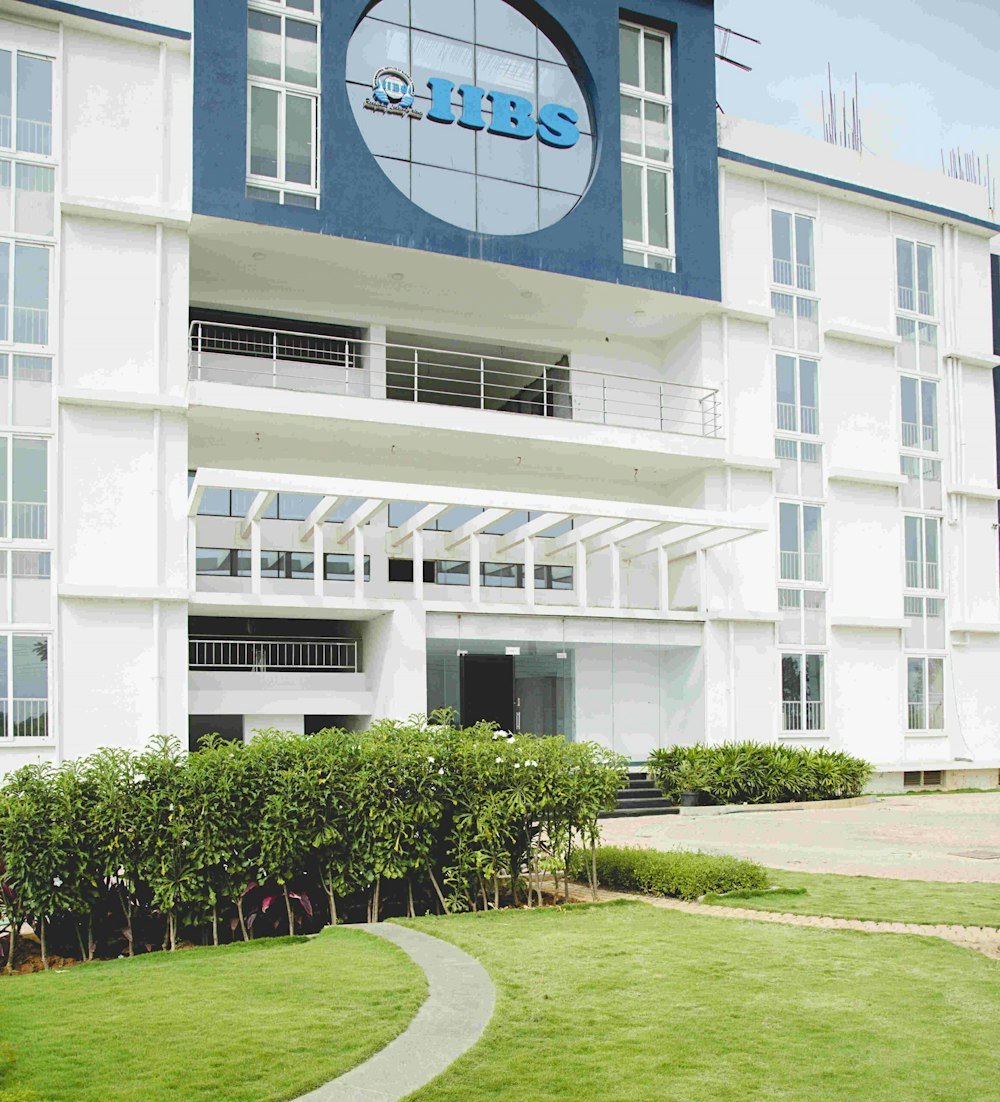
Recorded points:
(269, 655)
(356, 368)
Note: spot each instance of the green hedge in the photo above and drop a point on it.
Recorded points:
(758, 773)
(674, 873)
(286, 833)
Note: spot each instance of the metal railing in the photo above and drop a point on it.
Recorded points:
(29, 520)
(357, 368)
(793, 418)
(273, 655)
(31, 325)
(804, 277)
(34, 136)
(793, 712)
(30, 717)
(782, 272)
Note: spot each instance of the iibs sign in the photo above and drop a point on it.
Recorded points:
(472, 112)
(510, 116)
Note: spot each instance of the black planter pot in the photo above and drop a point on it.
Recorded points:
(690, 799)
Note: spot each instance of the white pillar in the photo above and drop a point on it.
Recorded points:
(616, 576)
(318, 560)
(359, 562)
(529, 572)
(418, 565)
(375, 362)
(474, 565)
(255, 557)
(663, 578)
(581, 575)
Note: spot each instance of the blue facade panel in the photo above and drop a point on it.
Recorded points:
(358, 201)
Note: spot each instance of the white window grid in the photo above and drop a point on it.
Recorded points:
(924, 707)
(13, 170)
(918, 347)
(16, 133)
(805, 568)
(804, 717)
(925, 629)
(923, 573)
(29, 564)
(278, 184)
(652, 255)
(916, 301)
(800, 472)
(791, 272)
(796, 416)
(922, 434)
(916, 313)
(25, 322)
(803, 617)
(32, 715)
(24, 520)
(924, 488)
(798, 317)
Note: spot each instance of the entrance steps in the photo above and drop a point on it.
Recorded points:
(642, 797)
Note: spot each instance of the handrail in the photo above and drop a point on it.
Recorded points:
(441, 376)
(261, 655)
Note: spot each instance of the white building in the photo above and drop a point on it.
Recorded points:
(722, 395)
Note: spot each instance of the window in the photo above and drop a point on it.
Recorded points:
(26, 101)
(792, 256)
(286, 564)
(802, 692)
(24, 687)
(918, 413)
(924, 623)
(803, 616)
(647, 179)
(923, 552)
(451, 572)
(222, 562)
(801, 542)
(801, 469)
(25, 390)
(914, 277)
(796, 322)
(283, 105)
(923, 486)
(918, 348)
(220, 502)
(798, 395)
(24, 314)
(925, 694)
(340, 568)
(23, 487)
(27, 194)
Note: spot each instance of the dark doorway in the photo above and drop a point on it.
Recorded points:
(488, 690)
(229, 728)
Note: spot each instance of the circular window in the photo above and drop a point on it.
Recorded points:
(471, 112)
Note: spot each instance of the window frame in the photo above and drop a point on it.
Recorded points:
(920, 384)
(922, 568)
(928, 500)
(12, 146)
(667, 256)
(915, 610)
(279, 184)
(799, 447)
(7, 738)
(921, 709)
(801, 610)
(798, 348)
(810, 727)
(794, 276)
(801, 581)
(803, 414)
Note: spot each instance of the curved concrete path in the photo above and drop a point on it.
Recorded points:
(984, 939)
(458, 1007)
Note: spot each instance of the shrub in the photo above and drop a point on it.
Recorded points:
(754, 773)
(675, 873)
(290, 831)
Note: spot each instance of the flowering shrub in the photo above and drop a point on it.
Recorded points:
(123, 850)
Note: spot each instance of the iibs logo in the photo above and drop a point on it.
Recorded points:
(392, 93)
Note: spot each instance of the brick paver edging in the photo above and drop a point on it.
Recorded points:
(984, 939)
(458, 1007)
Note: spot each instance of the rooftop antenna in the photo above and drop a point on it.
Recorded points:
(722, 52)
(968, 166)
(836, 116)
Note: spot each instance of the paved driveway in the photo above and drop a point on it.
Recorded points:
(905, 837)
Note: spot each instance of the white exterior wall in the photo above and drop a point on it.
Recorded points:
(707, 667)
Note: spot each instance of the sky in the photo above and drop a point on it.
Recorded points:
(928, 70)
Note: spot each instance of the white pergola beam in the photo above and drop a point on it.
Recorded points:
(661, 536)
(474, 526)
(261, 500)
(360, 517)
(620, 533)
(527, 530)
(317, 518)
(714, 537)
(419, 520)
(578, 533)
(194, 499)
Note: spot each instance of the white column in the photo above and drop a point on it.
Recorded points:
(529, 572)
(474, 564)
(318, 560)
(581, 575)
(616, 576)
(375, 362)
(359, 563)
(255, 557)
(663, 578)
(418, 565)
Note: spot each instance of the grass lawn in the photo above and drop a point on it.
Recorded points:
(630, 1003)
(876, 898)
(262, 1022)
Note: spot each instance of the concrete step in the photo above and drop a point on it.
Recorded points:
(623, 813)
